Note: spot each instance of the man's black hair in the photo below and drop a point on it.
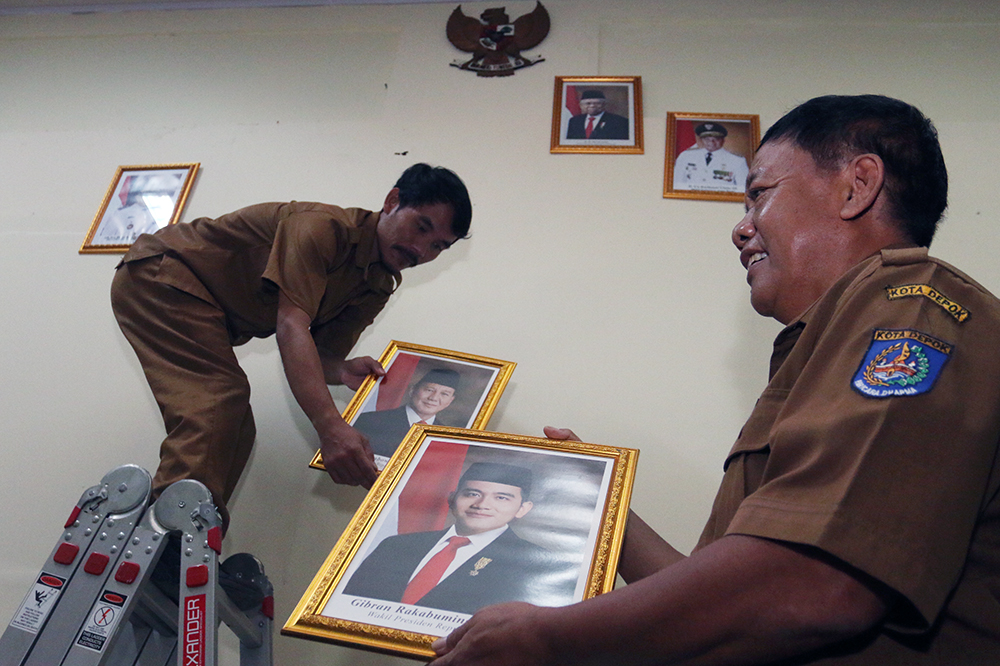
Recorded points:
(836, 128)
(423, 184)
(442, 376)
(511, 475)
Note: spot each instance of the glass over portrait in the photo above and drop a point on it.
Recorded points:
(463, 519)
(140, 200)
(424, 386)
(597, 114)
(708, 155)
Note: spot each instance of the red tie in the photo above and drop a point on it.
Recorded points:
(431, 574)
(590, 125)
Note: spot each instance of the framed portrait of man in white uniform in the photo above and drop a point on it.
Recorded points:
(708, 155)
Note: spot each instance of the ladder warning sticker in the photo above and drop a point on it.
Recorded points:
(36, 606)
(100, 624)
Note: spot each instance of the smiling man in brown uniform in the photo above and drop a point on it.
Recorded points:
(858, 521)
(314, 274)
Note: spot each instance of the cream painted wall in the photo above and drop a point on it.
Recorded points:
(626, 313)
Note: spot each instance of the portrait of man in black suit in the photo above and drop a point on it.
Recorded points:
(595, 122)
(476, 562)
(431, 395)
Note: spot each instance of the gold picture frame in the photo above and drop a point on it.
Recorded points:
(140, 199)
(686, 175)
(617, 130)
(579, 494)
(378, 409)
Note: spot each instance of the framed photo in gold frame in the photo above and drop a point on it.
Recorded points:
(708, 155)
(424, 385)
(597, 114)
(140, 199)
(526, 518)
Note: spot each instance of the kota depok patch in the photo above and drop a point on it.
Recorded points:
(900, 363)
(956, 310)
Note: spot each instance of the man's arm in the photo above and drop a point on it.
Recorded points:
(346, 454)
(644, 552)
(740, 600)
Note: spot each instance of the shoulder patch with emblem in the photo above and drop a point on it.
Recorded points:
(900, 363)
(951, 307)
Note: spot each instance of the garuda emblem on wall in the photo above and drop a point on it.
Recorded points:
(494, 42)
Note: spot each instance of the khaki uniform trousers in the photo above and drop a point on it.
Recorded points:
(183, 345)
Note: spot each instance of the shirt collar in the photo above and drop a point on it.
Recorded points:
(414, 417)
(480, 540)
(901, 254)
(783, 345)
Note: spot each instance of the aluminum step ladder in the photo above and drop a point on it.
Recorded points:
(101, 600)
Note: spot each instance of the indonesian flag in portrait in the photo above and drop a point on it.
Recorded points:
(572, 101)
(126, 186)
(686, 138)
(423, 503)
(392, 388)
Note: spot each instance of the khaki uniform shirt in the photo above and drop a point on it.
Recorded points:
(876, 441)
(324, 258)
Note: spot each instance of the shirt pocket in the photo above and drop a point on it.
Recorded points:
(755, 434)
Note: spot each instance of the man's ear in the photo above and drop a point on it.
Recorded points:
(865, 176)
(525, 508)
(451, 500)
(391, 200)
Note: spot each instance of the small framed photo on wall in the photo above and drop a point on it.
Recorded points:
(462, 519)
(708, 155)
(597, 114)
(140, 200)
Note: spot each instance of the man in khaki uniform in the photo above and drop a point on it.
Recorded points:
(858, 521)
(313, 274)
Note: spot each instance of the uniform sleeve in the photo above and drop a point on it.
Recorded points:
(307, 245)
(891, 485)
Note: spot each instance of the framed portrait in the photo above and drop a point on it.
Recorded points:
(141, 199)
(708, 155)
(462, 519)
(597, 114)
(424, 386)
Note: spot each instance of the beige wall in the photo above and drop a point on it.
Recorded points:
(626, 313)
